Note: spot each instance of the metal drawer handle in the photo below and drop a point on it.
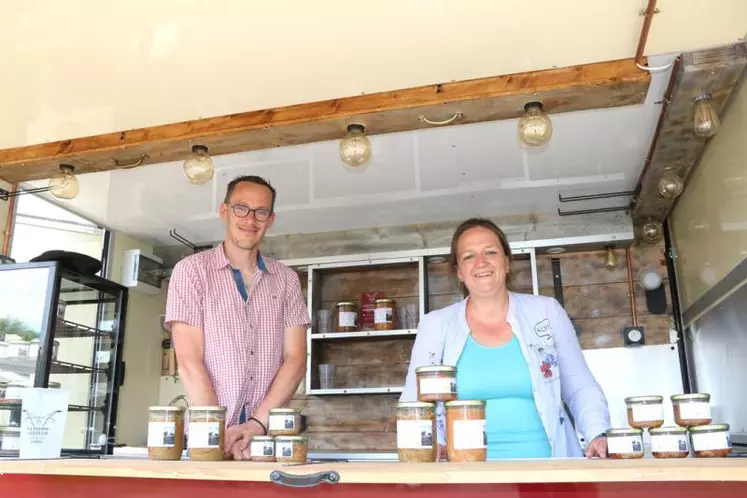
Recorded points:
(307, 481)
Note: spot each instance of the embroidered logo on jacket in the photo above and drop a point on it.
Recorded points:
(543, 329)
(548, 361)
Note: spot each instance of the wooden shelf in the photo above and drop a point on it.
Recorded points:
(365, 333)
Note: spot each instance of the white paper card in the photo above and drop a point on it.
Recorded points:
(669, 443)
(204, 435)
(695, 410)
(347, 318)
(645, 413)
(282, 423)
(383, 315)
(161, 434)
(414, 434)
(469, 434)
(437, 385)
(625, 444)
(262, 449)
(709, 441)
(43, 418)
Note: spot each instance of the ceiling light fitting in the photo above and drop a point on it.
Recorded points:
(355, 148)
(556, 250)
(535, 127)
(652, 232)
(63, 185)
(198, 167)
(670, 185)
(705, 118)
(610, 257)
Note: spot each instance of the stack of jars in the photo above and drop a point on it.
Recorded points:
(692, 414)
(285, 441)
(466, 439)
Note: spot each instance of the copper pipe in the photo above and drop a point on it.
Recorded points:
(9, 220)
(648, 17)
(631, 291)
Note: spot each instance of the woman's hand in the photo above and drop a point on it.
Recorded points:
(597, 448)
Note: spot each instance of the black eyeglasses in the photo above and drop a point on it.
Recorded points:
(260, 214)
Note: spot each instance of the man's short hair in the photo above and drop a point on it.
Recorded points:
(257, 180)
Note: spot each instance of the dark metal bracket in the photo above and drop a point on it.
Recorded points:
(304, 481)
(629, 207)
(5, 194)
(182, 240)
(589, 197)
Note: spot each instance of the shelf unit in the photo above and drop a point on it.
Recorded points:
(414, 262)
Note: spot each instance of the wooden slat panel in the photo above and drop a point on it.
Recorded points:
(597, 333)
(396, 281)
(365, 351)
(354, 441)
(349, 413)
(586, 268)
(591, 86)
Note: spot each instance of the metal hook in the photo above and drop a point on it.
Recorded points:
(456, 116)
(134, 164)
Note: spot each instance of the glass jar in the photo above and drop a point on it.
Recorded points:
(284, 422)
(346, 319)
(645, 411)
(10, 441)
(691, 410)
(165, 432)
(416, 431)
(384, 318)
(436, 383)
(206, 432)
(669, 442)
(291, 449)
(466, 439)
(625, 443)
(262, 449)
(710, 441)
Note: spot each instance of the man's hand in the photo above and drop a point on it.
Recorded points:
(597, 448)
(239, 437)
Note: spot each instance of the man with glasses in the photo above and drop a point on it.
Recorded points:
(238, 320)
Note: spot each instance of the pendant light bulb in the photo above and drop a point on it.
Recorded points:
(670, 185)
(610, 257)
(355, 148)
(198, 167)
(705, 118)
(64, 185)
(535, 127)
(652, 232)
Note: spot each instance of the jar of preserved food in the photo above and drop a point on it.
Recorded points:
(625, 443)
(691, 410)
(436, 383)
(206, 432)
(384, 314)
(710, 441)
(291, 449)
(669, 442)
(165, 432)
(645, 411)
(466, 439)
(262, 449)
(284, 422)
(416, 431)
(347, 317)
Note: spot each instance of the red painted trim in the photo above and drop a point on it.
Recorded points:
(38, 486)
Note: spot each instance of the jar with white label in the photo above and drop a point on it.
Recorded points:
(416, 431)
(466, 437)
(645, 411)
(346, 319)
(625, 443)
(262, 449)
(436, 383)
(206, 431)
(165, 432)
(291, 449)
(10, 441)
(709, 441)
(284, 422)
(669, 442)
(384, 318)
(691, 410)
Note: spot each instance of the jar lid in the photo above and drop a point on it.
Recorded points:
(207, 409)
(668, 430)
(301, 439)
(346, 303)
(710, 428)
(692, 397)
(262, 438)
(435, 368)
(385, 300)
(644, 399)
(279, 411)
(465, 402)
(169, 408)
(415, 404)
(624, 432)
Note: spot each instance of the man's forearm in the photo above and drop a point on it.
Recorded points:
(197, 383)
(286, 382)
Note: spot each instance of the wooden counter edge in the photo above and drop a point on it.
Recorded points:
(538, 471)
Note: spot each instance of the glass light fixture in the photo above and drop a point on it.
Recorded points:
(670, 185)
(535, 127)
(64, 185)
(198, 167)
(705, 118)
(610, 257)
(355, 147)
(652, 232)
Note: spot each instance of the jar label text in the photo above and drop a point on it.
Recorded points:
(645, 413)
(204, 435)
(437, 385)
(625, 444)
(669, 443)
(347, 318)
(470, 435)
(695, 410)
(262, 449)
(711, 441)
(282, 422)
(161, 434)
(414, 434)
(383, 315)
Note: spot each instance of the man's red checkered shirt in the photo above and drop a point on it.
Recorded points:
(243, 340)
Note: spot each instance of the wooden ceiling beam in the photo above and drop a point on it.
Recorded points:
(675, 147)
(591, 86)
